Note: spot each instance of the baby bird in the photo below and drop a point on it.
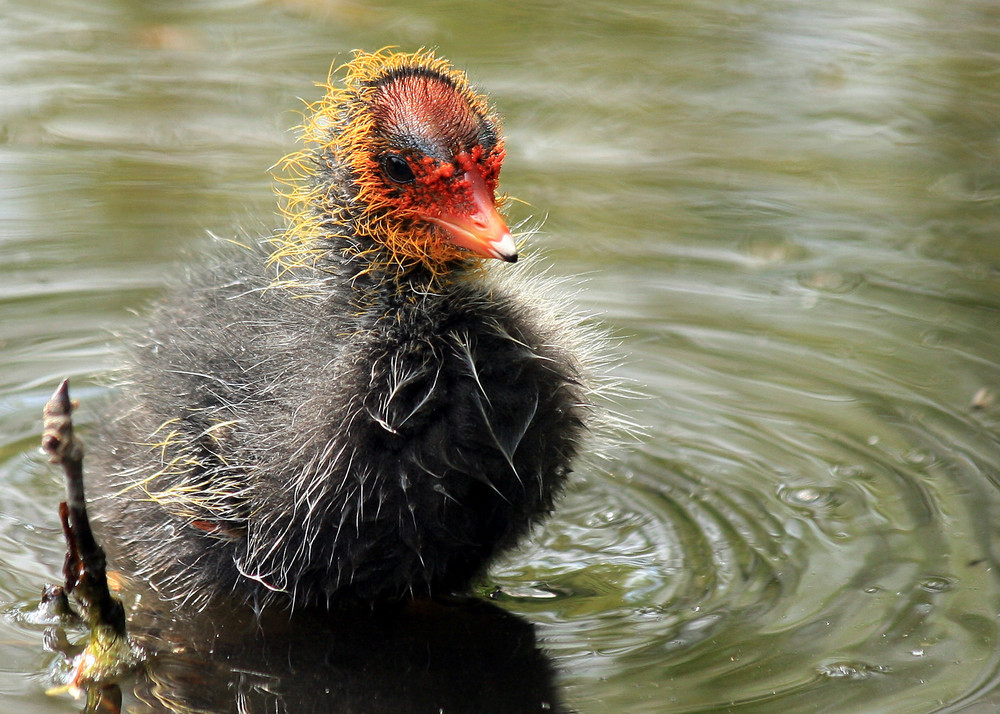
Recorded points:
(372, 413)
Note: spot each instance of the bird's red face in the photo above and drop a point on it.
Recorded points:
(439, 163)
(421, 152)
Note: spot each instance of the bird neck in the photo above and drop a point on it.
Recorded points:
(374, 274)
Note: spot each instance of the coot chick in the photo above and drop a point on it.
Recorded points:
(372, 412)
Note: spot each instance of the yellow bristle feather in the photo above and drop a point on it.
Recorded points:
(340, 127)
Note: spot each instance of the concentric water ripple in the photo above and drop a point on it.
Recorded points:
(843, 546)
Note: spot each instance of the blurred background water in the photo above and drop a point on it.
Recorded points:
(789, 212)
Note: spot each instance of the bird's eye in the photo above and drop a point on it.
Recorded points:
(397, 169)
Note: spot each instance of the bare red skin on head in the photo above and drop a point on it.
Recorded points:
(396, 107)
(441, 187)
(425, 110)
(430, 124)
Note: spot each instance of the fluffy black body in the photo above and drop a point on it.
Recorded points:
(377, 414)
(383, 440)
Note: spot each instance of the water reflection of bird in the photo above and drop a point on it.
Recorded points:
(378, 413)
(464, 655)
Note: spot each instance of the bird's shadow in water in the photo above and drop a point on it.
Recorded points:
(463, 655)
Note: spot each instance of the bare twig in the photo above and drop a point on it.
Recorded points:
(109, 653)
(85, 569)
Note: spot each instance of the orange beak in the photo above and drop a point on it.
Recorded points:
(481, 229)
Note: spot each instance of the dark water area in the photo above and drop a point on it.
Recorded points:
(787, 212)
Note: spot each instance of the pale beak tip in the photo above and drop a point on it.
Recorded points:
(505, 249)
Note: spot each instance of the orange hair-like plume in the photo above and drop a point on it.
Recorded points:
(340, 132)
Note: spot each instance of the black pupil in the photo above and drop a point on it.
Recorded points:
(397, 169)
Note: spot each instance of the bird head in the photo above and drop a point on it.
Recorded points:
(401, 163)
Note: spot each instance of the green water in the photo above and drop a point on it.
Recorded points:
(788, 212)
